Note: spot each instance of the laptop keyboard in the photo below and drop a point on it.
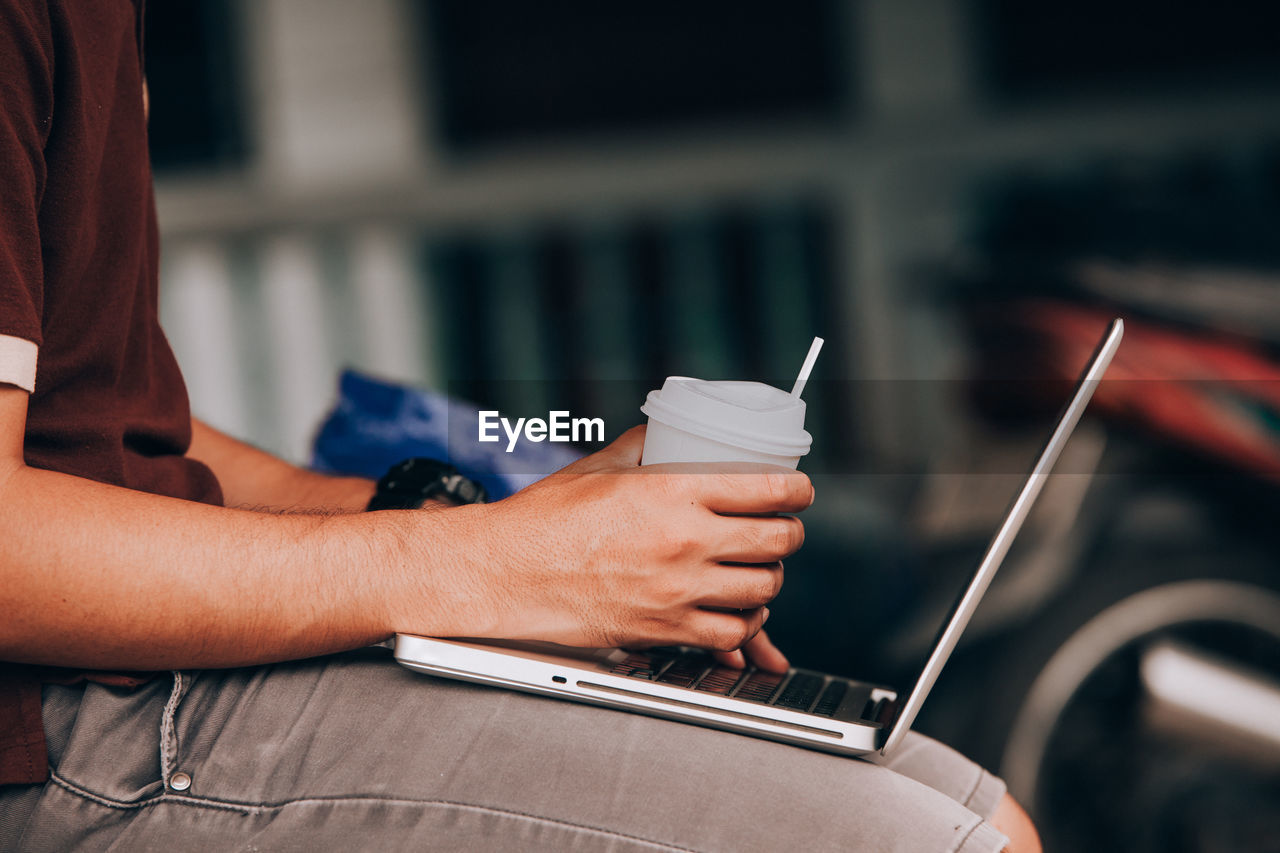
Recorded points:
(806, 692)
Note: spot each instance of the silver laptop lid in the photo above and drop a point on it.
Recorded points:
(967, 603)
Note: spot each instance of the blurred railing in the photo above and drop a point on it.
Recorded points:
(585, 315)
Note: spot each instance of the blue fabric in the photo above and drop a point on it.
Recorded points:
(376, 424)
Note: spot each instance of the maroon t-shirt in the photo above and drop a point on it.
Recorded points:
(78, 257)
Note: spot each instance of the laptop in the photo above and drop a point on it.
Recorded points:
(800, 707)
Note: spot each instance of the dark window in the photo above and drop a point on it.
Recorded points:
(505, 69)
(192, 75)
(1102, 45)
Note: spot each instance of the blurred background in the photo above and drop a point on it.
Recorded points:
(557, 204)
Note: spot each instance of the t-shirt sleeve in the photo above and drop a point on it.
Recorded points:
(26, 110)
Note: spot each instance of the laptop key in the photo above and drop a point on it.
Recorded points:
(683, 672)
(632, 664)
(759, 686)
(721, 680)
(648, 667)
(831, 698)
(800, 691)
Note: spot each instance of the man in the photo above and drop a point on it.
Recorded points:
(123, 552)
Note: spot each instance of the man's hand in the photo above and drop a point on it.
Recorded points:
(607, 553)
(678, 502)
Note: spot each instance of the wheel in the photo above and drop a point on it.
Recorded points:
(1156, 725)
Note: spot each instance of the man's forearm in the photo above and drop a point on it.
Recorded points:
(103, 577)
(254, 479)
(601, 553)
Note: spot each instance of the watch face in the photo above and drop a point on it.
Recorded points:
(413, 482)
(462, 490)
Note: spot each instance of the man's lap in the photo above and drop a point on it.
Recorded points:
(353, 751)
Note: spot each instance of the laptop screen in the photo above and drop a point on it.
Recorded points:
(967, 602)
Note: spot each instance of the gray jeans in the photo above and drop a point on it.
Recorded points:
(352, 752)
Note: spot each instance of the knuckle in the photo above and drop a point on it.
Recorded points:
(725, 483)
(697, 487)
(747, 537)
(684, 543)
(660, 487)
(658, 627)
(678, 486)
(782, 540)
(669, 593)
(776, 487)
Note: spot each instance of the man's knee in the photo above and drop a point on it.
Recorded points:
(1013, 822)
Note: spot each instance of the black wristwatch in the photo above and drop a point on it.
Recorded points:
(413, 482)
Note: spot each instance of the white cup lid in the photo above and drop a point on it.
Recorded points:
(751, 415)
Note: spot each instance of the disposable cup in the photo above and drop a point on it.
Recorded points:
(697, 420)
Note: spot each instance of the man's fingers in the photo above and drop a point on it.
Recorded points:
(746, 487)
(741, 587)
(761, 651)
(725, 632)
(758, 540)
(735, 658)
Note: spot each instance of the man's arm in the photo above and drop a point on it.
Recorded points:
(254, 479)
(602, 553)
(101, 576)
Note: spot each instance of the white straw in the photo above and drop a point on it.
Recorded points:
(805, 370)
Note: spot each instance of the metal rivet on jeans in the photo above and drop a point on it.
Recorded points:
(179, 781)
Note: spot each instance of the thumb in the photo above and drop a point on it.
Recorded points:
(624, 452)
